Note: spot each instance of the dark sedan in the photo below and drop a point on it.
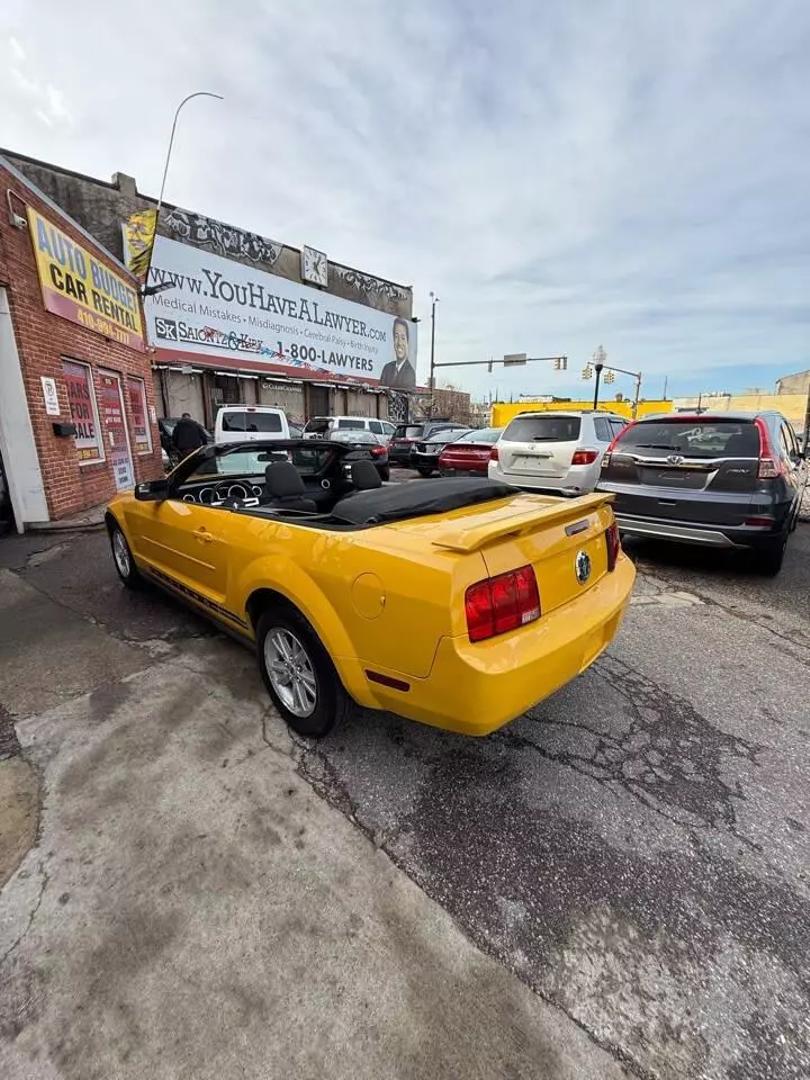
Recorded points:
(366, 442)
(470, 454)
(425, 455)
(727, 480)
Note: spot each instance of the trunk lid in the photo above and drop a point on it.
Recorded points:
(557, 537)
(685, 468)
(542, 444)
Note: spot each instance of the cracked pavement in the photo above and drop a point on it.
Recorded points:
(615, 884)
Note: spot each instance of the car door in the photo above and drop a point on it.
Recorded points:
(182, 542)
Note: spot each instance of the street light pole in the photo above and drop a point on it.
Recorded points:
(198, 93)
(434, 302)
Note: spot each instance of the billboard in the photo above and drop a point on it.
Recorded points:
(77, 286)
(220, 313)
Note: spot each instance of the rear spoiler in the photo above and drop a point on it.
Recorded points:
(552, 513)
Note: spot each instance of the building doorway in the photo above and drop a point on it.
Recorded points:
(114, 426)
(318, 400)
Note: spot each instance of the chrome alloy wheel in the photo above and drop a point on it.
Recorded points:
(121, 553)
(290, 671)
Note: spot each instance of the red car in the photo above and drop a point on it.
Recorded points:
(469, 455)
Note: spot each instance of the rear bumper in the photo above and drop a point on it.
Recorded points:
(399, 455)
(719, 536)
(579, 480)
(474, 689)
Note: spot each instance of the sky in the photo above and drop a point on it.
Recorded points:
(562, 175)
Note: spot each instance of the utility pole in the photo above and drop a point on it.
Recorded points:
(434, 301)
(666, 380)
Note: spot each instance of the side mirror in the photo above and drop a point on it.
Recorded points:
(152, 490)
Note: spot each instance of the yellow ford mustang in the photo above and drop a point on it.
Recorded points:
(456, 602)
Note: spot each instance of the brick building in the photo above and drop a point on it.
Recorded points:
(77, 403)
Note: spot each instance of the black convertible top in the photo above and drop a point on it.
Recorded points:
(395, 502)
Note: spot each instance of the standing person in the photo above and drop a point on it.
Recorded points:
(400, 372)
(187, 436)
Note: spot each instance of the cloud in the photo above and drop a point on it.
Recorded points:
(560, 174)
(31, 96)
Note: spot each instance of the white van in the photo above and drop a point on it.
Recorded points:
(242, 423)
(321, 427)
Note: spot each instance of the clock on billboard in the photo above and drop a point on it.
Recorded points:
(314, 266)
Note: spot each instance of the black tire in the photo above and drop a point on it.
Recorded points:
(768, 560)
(331, 700)
(425, 472)
(123, 561)
(385, 474)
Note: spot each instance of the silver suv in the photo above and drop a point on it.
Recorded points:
(560, 452)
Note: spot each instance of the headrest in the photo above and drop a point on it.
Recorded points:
(364, 475)
(282, 479)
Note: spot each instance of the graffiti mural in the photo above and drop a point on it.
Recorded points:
(223, 239)
(369, 285)
(397, 407)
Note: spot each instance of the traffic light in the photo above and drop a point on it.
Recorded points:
(587, 372)
(560, 363)
(610, 376)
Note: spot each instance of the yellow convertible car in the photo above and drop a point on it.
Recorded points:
(457, 602)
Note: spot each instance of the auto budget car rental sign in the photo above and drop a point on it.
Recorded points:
(77, 286)
(225, 314)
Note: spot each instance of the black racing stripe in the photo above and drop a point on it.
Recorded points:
(198, 598)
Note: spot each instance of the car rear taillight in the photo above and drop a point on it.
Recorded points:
(378, 451)
(584, 457)
(499, 604)
(493, 454)
(770, 465)
(614, 545)
(616, 440)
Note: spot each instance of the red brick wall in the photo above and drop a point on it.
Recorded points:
(43, 341)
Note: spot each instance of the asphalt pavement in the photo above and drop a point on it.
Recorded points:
(633, 852)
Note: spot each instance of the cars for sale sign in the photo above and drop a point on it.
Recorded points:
(78, 383)
(79, 287)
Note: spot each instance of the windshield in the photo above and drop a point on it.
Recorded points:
(485, 435)
(354, 425)
(695, 438)
(543, 429)
(409, 431)
(244, 462)
(251, 421)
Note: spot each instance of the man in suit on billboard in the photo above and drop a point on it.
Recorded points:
(400, 372)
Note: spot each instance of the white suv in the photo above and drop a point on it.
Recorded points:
(560, 452)
(320, 427)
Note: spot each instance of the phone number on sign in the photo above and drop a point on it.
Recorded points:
(102, 326)
(314, 357)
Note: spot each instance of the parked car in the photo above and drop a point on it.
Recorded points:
(425, 454)
(559, 452)
(351, 591)
(238, 423)
(372, 446)
(406, 436)
(321, 427)
(469, 455)
(726, 480)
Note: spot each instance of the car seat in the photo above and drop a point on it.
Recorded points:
(365, 476)
(284, 489)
